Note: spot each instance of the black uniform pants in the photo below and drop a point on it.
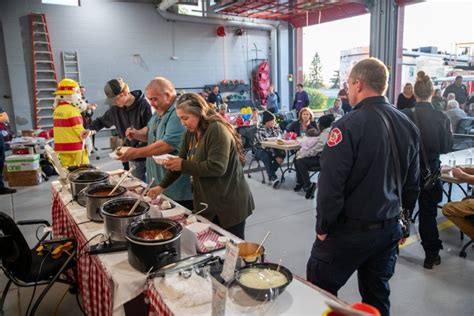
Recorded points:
(372, 253)
(428, 206)
(302, 167)
(2, 159)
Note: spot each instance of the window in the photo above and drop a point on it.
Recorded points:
(63, 2)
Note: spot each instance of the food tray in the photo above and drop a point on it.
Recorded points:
(210, 234)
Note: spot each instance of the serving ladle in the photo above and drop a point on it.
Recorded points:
(124, 176)
(141, 197)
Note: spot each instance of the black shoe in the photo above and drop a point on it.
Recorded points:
(6, 190)
(310, 191)
(297, 187)
(432, 258)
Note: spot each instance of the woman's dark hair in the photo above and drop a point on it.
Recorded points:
(325, 121)
(194, 104)
(423, 86)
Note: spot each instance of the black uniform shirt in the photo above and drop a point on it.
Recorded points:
(435, 131)
(357, 177)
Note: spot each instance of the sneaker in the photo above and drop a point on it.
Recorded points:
(297, 187)
(310, 191)
(271, 180)
(432, 258)
(6, 190)
(276, 184)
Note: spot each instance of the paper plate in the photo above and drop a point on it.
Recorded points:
(162, 158)
(114, 155)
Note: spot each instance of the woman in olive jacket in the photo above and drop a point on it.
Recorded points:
(212, 155)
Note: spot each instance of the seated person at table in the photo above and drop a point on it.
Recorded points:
(336, 108)
(272, 158)
(462, 213)
(454, 114)
(308, 156)
(223, 112)
(305, 122)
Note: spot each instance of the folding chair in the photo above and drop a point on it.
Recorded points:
(44, 264)
(248, 135)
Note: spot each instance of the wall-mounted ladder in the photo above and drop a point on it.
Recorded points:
(44, 72)
(71, 65)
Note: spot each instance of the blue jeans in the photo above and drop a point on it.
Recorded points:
(372, 253)
(140, 169)
(271, 166)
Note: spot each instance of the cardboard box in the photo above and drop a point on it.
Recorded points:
(5, 173)
(24, 178)
(17, 163)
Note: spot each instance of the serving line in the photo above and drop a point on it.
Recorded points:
(108, 281)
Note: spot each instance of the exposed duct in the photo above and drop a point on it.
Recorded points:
(218, 19)
(234, 21)
(165, 4)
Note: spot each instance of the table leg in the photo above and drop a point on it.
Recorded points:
(288, 169)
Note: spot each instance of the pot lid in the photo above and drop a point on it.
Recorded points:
(87, 176)
(182, 264)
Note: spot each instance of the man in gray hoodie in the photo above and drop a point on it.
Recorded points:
(130, 109)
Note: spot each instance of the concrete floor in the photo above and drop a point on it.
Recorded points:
(445, 290)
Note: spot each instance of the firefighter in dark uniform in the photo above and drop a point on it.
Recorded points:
(357, 205)
(436, 137)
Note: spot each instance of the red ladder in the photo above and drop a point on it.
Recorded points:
(44, 72)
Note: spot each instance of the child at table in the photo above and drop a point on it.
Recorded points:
(307, 158)
(272, 158)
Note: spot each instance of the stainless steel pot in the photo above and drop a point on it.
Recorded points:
(115, 226)
(82, 179)
(71, 169)
(96, 195)
(149, 254)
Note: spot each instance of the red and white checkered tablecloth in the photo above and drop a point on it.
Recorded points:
(157, 306)
(212, 235)
(95, 285)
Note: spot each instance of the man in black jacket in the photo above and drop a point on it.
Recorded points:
(358, 207)
(129, 109)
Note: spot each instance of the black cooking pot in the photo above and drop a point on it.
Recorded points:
(81, 167)
(81, 179)
(149, 255)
